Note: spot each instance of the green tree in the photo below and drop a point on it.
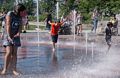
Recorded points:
(8, 5)
(30, 6)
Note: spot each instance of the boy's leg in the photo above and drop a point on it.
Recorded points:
(53, 40)
(109, 47)
(53, 46)
(109, 43)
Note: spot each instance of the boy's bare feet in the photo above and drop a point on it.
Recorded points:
(16, 73)
(53, 49)
(3, 72)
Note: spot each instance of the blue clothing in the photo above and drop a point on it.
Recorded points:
(14, 25)
(95, 23)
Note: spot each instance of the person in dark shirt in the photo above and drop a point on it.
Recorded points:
(11, 40)
(108, 34)
(49, 18)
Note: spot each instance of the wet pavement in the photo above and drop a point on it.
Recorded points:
(70, 59)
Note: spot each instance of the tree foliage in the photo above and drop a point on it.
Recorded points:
(86, 6)
(30, 6)
(8, 5)
(106, 6)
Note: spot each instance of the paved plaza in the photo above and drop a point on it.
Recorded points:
(70, 60)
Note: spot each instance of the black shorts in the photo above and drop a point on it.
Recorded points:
(108, 39)
(54, 38)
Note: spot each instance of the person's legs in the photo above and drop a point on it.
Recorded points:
(77, 29)
(7, 59)
(14, 60)
(48, 26)
(92, 25)
(81, 29)
(54, 40)
(95, 25)
(109, 46)
(24, 29)
(108, 40)
(53, 46)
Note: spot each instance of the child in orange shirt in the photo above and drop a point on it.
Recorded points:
(54, 31)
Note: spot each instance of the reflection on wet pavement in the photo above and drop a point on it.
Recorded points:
(37, 60)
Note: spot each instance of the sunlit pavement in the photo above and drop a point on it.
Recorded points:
(71, 58)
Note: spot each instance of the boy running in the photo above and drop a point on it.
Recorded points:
(54, 31)
(108, 34)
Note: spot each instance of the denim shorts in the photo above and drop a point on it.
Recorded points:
(16, 42)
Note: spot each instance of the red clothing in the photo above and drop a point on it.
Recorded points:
(55, 28)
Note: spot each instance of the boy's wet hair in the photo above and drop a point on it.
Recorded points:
(109, 24)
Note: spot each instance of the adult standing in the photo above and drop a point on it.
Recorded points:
(25, 21)
(95, 20)
(79, 23)
(49, 18)
(11, 39)
(114, 21)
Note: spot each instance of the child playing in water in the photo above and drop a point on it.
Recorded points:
(54, 31)
(108, 34)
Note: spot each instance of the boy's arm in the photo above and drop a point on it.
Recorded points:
(49, 22)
